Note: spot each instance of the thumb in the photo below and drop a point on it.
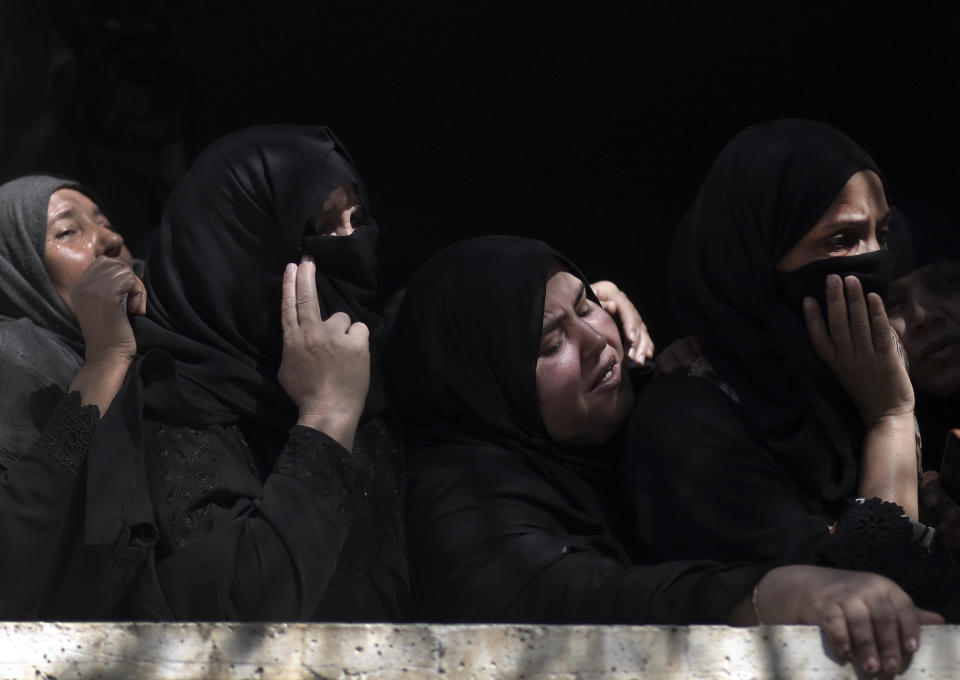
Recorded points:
(927, 618)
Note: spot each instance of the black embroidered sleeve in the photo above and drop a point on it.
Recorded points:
(322, 463)
(66, 437)
(876, 536)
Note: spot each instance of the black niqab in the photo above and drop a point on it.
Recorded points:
(246, 208)
(768, 188)
(211, 345)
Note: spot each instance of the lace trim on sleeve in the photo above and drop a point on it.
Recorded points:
(322, 463)
(875, 535)
(66, 437)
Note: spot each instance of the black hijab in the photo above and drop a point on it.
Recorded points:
(930, 237)
(211, 341)
(462, 363)
(463, 351)
(768, 188)
(247, 207)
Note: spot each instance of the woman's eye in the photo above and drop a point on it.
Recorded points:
(892, 306)
(64, 233)
(585, 310)
(551, 349)
(843, 241)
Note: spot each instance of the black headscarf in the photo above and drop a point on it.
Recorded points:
(504, 524)
(768, 188)
(930, 236)
(464, 348)
(211, 341)
(247, 207)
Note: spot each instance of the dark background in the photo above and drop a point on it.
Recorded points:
(586, 125)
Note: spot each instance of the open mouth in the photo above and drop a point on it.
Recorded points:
(609, 375)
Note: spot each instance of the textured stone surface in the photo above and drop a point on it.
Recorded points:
(372, 652)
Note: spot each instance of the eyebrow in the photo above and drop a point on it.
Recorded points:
(884, 221)
(551, 325)
(66, 212)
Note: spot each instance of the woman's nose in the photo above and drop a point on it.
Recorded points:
(921, 315)
(111, 243)
(345, 223)
(592, 341)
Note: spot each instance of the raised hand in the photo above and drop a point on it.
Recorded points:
(325, 367)
(106, 293)
(860, 350)
(618, 305)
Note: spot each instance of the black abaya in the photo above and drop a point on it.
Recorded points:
(502, 523)
(246, 518)
(754, 454)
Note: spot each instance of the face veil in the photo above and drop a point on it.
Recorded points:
(246, 208)
(768, 188)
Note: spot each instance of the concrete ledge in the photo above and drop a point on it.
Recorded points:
(65, 651)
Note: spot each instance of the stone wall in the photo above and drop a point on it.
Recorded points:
(64, 651)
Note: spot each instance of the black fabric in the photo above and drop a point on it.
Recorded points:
(768, 188)
(39, 512)
(931, 237)
(707, 486)
(196, 444)
(246, 208)
(502, 523)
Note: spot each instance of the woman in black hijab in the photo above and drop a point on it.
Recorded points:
(235, 495)
(66, 286)
(924, 307)
(512, 383)
(923, 303)
(758, 450)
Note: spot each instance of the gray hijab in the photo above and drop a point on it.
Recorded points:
(40, 342)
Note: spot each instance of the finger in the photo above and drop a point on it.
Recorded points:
(886, 631)
(288, 299)
(137, 297)
(837, 318)
(629, 319)
(835, 628)
(338, 323)
(908, 617)
(928, 618)
(359, 330)
(817, 330)
(881, 332)
(308, 309)
(862, 639)
(858, 318)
